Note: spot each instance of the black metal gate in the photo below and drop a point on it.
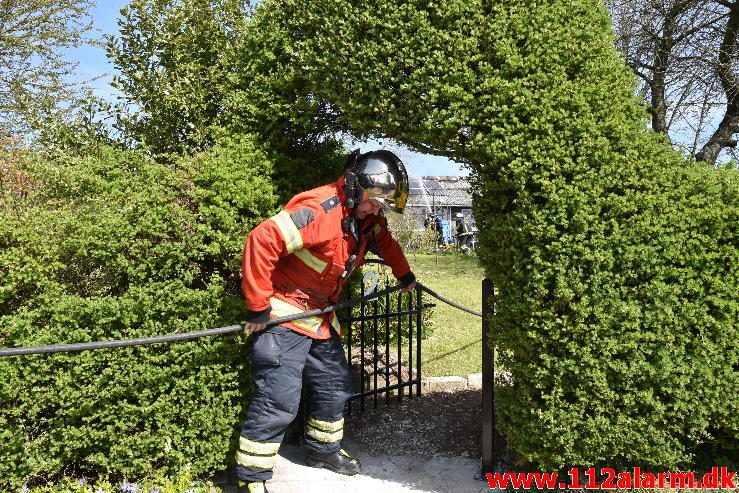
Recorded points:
(383, 346)
(380, 337)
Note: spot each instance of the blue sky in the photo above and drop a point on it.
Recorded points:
(93, 66)
(92, 62)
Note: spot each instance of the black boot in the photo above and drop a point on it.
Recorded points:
(253, 487)
(340, 462)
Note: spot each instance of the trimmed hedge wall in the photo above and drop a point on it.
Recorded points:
(616, 262)
(112, 245)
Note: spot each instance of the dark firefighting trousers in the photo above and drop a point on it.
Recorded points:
(281, 360)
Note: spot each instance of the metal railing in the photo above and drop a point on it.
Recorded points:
(373, 323)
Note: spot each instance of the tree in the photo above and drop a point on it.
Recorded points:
(33, 71)
(728, 59)
(684, 53)
(171, 56)
(192, 70)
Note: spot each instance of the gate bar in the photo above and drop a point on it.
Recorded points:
(419, 325)
(387, 346)
(410, 342)
(374, 347)
(363, 307)
(370, 392)
(400, 347)
(488, 382)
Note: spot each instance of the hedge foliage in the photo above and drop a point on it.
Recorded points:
(615, 260)
(183, 482)
(112, 245)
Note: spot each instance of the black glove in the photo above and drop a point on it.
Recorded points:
(407, 279)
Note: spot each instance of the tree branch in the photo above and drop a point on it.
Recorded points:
(723, 135)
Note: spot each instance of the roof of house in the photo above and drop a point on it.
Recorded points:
(439, 191)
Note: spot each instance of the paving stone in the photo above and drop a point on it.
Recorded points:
(474, 380)
(443, 384)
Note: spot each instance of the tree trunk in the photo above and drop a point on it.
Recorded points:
(662, 55)
(723, 136)
(659, 106)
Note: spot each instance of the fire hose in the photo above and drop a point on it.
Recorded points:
(230, 329)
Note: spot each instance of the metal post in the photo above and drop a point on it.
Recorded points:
(361, 348)
(400, 346)
(419, 326)
(387, 347)
(374, 351)
(349, 348)
(410, 343)
(488, 382)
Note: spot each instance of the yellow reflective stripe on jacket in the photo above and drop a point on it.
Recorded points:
(290, 233)
(248, 460)
(335, 322)
(326, 425)
(282, 308)
(262, 448)
(310, 260)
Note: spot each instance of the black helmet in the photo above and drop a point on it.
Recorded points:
(379, 174)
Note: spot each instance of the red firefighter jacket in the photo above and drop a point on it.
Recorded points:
(299, 259)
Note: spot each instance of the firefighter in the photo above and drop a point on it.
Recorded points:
(464, 234)
(299, 260)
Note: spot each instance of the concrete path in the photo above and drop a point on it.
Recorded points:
(380, 474)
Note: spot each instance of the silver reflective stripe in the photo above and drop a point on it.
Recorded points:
(290, 233)
(303, 217)
(324, 436)
(282, 308)
(262, 448)
(325, 431)
(335, 322)
(263, 462)
(326, 425)
(310, 260)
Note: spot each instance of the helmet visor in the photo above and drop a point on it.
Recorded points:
(401, 196)
(381, 174)
(392, 199)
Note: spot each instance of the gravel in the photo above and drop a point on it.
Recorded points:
(446, 424)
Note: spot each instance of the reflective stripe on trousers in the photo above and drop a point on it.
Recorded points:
(257, 454)
(324, 431)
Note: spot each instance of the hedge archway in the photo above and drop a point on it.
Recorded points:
(616, 261)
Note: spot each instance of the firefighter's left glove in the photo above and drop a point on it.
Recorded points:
(256, 321)
(250, 327)
(408, 282)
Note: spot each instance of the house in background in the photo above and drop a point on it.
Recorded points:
(444, 196)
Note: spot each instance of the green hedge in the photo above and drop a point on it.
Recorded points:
(183, 482)
(112, 245)
(615, 260)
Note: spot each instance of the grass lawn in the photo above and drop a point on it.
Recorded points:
(455, 348)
